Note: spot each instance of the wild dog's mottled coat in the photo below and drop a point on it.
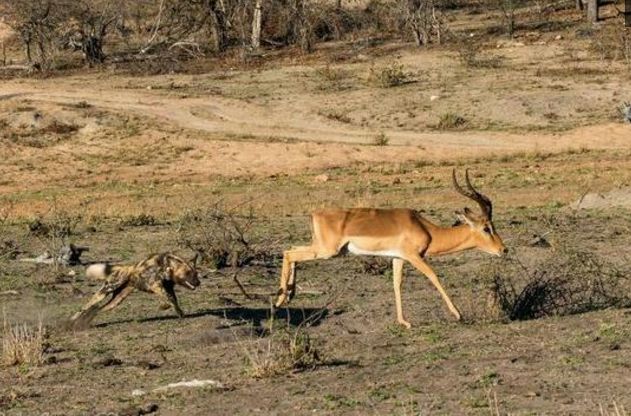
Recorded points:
(157, 274)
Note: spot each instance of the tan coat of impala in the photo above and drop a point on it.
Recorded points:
(403, 234)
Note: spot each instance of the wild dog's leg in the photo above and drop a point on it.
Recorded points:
(397, 279)
(424, 268)
(117, 298)
(92, 303)
(166, 292)
(91, 308)
(290, 258)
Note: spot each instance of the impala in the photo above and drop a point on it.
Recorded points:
(402, 234)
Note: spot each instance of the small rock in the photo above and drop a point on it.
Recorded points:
(147, 365)
(149, 87)
(322, 178)
(539, 241)
(626, 112)
(614, 347)
(434, 97)
(558, 37)
(532, 394)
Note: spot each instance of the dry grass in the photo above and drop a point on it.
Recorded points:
(22, 344)
(283, 351)
(613, 410)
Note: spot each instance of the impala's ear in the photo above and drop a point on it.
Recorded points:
(466, 216)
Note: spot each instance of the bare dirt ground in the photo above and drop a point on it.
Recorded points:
(129, 156)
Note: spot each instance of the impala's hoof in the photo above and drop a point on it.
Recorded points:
(406, 324)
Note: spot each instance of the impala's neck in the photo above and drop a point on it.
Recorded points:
(447, 240)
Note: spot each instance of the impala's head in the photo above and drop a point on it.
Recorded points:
(483, 231)
(182, 272)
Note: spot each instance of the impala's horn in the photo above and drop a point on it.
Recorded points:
(483, 201)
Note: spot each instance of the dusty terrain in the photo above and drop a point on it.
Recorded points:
(130, 155)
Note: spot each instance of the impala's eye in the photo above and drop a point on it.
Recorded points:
(487, 229)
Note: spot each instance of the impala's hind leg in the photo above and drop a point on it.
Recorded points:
(288, 273)
(397, 279)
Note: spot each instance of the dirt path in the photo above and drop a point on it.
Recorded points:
(237, 118)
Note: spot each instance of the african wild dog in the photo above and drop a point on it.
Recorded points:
(157, 274)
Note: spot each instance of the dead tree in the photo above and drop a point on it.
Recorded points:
(91, 23)
(423, 21)
(36, 22)
(218, 24)
(256, 25)
(592, 11)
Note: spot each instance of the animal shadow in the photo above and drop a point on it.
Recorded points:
(253, 316)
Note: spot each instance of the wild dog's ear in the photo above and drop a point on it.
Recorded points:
(194, 259)
(168, 271)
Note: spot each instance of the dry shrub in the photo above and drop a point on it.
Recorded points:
(471, 55)
(451, 121)
(380, 139)
(22, 344)
(388, 76)
(333, 78)
(570, 282)
(139, 220)
(222, 236)
(612, 42)
(283, 351)
(8, 247)
(54, 229)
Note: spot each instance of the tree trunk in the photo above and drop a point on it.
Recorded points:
(592, 11)
(218, 30)
(92, 48)
(256, 26)
(579, 5)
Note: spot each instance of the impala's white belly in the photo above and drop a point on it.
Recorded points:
(361, 252)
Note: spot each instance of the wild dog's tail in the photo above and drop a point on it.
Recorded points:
(98, 271)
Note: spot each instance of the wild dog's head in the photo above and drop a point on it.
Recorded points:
(182, 272)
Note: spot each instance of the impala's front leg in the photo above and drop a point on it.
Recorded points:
(287, 275)
(424, 268)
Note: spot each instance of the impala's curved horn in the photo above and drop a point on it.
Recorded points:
(482, 200)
